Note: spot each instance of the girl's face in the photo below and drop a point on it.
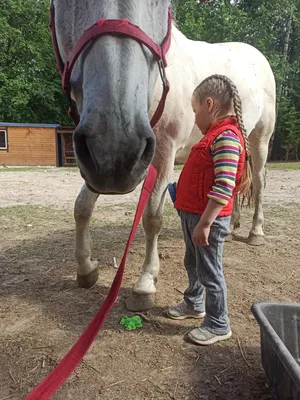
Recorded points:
(203, 113)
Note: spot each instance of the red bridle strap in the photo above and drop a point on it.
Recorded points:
(122, 28)
(116, 27)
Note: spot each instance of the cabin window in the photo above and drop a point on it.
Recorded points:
(3, 139)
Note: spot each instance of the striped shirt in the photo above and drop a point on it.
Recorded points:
(225, 150)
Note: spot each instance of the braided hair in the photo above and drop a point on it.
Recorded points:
(226, 96)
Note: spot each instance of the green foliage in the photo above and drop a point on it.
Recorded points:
(30, 86)
(289, 128)
(273, 27)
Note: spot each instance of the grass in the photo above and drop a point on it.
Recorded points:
(115, 207)
(38, 169)
(178, 167)
(284, 166)
(281, 165)
(25, 220)
(23, 169)
(32, 219)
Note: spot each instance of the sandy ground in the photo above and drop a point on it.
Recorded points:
(42, 310)
(59, 188)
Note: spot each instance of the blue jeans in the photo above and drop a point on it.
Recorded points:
(204, 269)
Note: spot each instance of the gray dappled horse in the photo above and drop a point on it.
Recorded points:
(116, 86)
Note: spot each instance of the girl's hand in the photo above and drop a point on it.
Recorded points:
(202, 230)
(201, 234)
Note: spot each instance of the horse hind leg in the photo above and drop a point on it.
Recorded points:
(259, 141)
(235, 219)
(235, 222)
(87, 270)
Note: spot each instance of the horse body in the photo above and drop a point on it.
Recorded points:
(189, 62)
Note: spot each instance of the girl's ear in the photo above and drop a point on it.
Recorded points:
(210, 104)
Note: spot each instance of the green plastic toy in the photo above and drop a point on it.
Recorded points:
(131, 323)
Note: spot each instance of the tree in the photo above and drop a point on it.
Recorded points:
(30, 86)
(273, 27)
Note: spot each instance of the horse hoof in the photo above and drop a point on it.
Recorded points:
(236, 226)
(229, 238)
(140, 302)
(255, 240)
(87, 281)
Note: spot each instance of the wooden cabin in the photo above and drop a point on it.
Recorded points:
(36, 145)
(65, 143)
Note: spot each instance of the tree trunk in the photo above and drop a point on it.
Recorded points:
(287, 154)
(274, 147)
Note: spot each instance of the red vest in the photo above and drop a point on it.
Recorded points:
(198, 175)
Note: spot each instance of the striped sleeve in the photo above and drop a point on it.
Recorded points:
(225, 150)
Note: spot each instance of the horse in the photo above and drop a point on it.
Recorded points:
(116, 87)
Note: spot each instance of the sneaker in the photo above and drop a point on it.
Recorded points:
(181, 311)
(204, 337)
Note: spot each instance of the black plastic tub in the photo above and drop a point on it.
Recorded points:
(280, 346)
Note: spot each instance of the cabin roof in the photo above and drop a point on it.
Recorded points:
(29, 125)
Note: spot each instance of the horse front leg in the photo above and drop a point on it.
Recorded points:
(143, 292)
(87, 270)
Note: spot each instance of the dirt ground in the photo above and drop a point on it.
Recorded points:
(42, 312)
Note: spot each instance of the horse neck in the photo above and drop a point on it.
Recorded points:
(179, 55)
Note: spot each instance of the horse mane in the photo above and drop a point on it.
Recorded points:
(174, 14)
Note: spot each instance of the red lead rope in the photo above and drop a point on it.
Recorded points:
(67, 365)
(63, 370)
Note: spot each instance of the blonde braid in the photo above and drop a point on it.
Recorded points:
(223, 89)
(246, 185)
(237, 104)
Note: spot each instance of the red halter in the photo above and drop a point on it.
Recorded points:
(121, 28)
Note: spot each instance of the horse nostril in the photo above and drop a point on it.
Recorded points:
(148, 152)
(80, 144)
(82, 151)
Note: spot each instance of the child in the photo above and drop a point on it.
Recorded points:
(217, 169)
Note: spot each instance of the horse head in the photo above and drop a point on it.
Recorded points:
(112, 84)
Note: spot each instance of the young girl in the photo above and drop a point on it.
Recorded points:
(217, 169)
